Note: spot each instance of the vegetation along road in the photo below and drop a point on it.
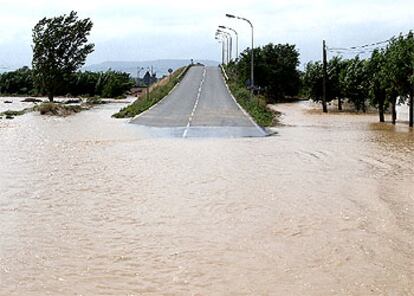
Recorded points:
(201, 105)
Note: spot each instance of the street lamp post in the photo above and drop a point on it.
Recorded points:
(222, 48)
(229, 43)
(252, 50)
(222, 39)
(225, 43)
(230, 49)
(237, 39)
(226, 40)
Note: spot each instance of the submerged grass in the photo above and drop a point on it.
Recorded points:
(12, 113)
(155, 95)
(55, 109)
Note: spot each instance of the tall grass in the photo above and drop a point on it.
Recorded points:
(255, 106)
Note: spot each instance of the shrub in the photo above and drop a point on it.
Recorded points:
(12, 113)
(58, 109)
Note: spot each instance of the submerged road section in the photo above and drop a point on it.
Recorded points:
(200, 106)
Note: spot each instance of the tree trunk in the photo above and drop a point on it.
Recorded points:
(381, 97)
(381, 111)
(356, 107)
(394, 110)
(411, 107)
(339, 104)
(324, 107)
(50, 96)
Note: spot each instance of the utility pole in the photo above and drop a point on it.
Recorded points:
(411, 91)
(411, 110)
(252, 63)
(325, 109)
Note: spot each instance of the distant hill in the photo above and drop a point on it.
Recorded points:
(7, 68)
(159, 66)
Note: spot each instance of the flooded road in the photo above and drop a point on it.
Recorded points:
(90, 207)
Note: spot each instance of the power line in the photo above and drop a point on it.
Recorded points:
(353, 51)
(360, 46)
(365, 46)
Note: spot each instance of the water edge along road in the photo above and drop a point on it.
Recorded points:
(200, 106)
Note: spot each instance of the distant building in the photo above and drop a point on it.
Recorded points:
(149, 79)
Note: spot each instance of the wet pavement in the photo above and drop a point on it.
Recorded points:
(200, 106)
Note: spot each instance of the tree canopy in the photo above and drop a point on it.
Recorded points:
(380, 80)
(276, 70)
(109, 84)
(59, 49)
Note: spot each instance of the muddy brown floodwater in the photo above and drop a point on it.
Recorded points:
(90, 207)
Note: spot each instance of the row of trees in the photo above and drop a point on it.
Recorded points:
(108, 84)
(276, 70)
(60, 48)
(383, 80)
(19, 82)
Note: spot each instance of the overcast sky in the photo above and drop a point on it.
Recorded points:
(130, 30)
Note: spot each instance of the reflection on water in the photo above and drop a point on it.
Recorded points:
(89, 207)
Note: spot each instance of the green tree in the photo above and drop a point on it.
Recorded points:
(59, 49)
(356, 83)
(400, 70)
(312, 81)
(334, 88)
(378, 82)
(276, 70)
(18, 82)
(83, 83)
(116, 84)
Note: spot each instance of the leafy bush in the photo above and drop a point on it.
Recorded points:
(275, 68)
(115, 84)
(108, 84)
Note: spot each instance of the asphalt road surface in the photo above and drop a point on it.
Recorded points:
(200, 106)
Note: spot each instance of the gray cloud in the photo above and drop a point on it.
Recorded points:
(140, 30)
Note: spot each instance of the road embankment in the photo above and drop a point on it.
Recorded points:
(256, 107)
(156, 93)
